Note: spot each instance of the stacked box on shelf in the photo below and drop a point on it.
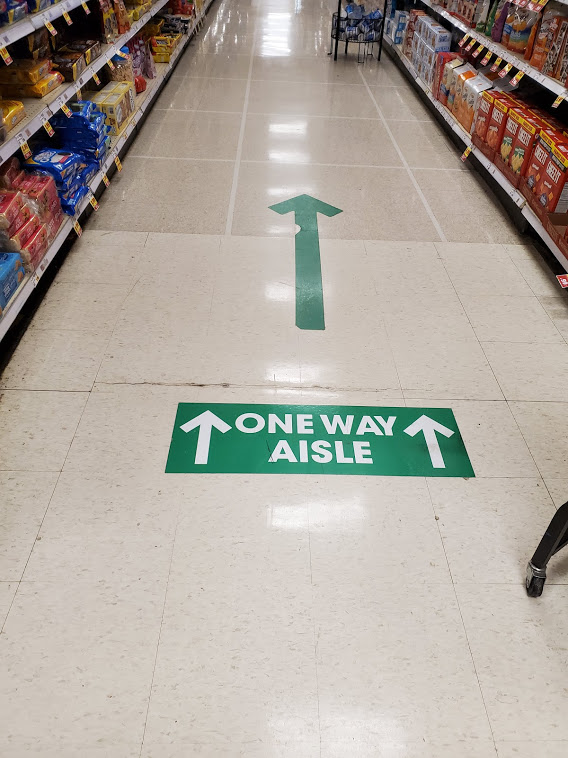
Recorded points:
(396, 27)
(12, 274)
(428, 39)
(117, 102)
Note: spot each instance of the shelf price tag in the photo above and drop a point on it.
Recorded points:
(559, 99)
(106, 180)
(85, 7)
(505, 70)
(517, 78)
(6, 57)
(50, 28)
(48, 128)
(110, 64)
(478, 51)
(93, 201)
(25, 148)
(563, 280)
(67, 18)
(96, 77)
(471, 44)
(486, 58)
(121, 54)
(495, 66)
(77, 227)
(464, 39)
(66, 110)
(466, 153)
(118, 163)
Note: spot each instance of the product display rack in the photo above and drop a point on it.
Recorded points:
(517, 198)
(144, 102)
(14, 32)
(553, 85)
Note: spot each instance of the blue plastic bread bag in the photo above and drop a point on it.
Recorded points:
(70, 203)
(61, 164)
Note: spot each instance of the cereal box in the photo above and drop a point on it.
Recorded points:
(497, 121)
(527, 135)
(483, 114)
(552, 189)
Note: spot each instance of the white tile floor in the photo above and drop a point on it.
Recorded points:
(156, 616)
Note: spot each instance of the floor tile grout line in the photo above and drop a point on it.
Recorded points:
(19, 581)
(317, 82)
(411, 176)
(316, 667)
(160, 630)
(461, 617)
(196, 159)
(237, 167)
(297, 115)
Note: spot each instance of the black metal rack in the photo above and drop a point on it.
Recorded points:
(554, 539)
(342, 31)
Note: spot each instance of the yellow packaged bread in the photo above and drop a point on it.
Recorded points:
(25, 72)
(41, 89)
(13, 112)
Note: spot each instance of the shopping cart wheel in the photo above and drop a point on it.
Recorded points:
(535, 581)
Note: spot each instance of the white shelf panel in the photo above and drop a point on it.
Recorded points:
(143, 103)
(491, 169)
(519, 63)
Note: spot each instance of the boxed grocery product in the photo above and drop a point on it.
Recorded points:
(552, 189)
(70, 64)
(497, 120)
(455, 99)
(483, 114)
(441, 60)
(89, 48)
(512, 123)
(11, 276)
(471, 94)
(448, 77)
(537, 162)
(34, 45)
(523, 146)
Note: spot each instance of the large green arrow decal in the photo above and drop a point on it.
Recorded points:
(309, 291)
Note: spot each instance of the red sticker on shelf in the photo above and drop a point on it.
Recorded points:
(478, 51)
(96, 77)
(6, 57)
(505, 70)
(106, 180)
(464, 39)
(93, 201)
(66, 110)
(517, 78)
(25, 148)
(486, 58)
(50, 28)
(563, 280)
(495, 66)
(67, 18)
(85, 8)
(466, 153)
(471, 44)
(110, 64)
(559, 99)
(48, 128)
(77, 227)
(118, 163)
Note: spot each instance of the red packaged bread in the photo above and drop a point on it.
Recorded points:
(23, 235)
(36, 247)
(11, 203)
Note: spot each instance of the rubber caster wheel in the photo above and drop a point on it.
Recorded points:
(535, 581)
(535, 586)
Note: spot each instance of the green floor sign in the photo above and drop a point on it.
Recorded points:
(227, 438)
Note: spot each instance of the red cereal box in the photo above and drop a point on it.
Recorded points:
(483, 114)
(497, 121)
(552, 190)
(539, 157)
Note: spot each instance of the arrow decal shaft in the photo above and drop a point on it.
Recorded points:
(309, 289)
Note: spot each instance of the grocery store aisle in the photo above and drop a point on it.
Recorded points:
(285, 616)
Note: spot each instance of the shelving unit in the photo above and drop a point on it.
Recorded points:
(520, 64)
(143, 103)
(27, 25)
(486, 164)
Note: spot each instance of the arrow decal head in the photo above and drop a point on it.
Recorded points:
(305, 205)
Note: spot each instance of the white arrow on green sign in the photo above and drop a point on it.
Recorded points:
(228, 438)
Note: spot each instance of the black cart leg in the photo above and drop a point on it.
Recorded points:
(555, 538)
(338, 28)
(382, 30)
